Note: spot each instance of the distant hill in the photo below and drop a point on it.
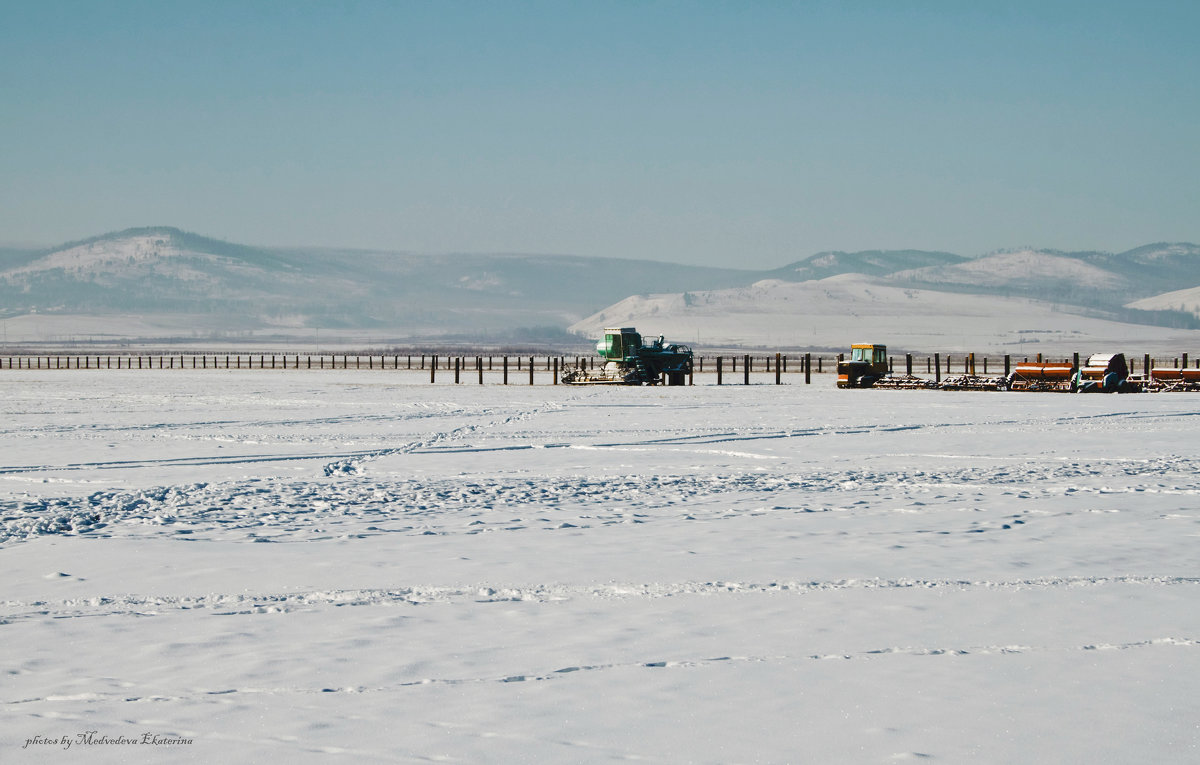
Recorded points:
(161, 282)
(829, 314)
(1028, 300)
(159, 274)
(867, 262)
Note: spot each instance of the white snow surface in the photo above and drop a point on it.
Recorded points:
(356, 566)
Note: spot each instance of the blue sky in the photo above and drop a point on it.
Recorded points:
(740, 134)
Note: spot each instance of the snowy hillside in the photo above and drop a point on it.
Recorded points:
(163, 283)
(1178, 300)
(153, 282)
(869, 263)
(1016, 271)
(104, 255)
(840, 310)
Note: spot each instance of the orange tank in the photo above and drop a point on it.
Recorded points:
(1174, 373)
(1045, 371)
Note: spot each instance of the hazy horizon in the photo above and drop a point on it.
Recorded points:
(696, 133)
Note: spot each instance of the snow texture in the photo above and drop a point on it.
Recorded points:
(350, 566)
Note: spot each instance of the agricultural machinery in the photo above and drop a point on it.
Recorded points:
(1102, 373)
(628, 362)
(866, 366)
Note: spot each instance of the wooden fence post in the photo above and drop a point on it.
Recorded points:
(746, 370)
(777, 360)
(719, 359)
(506, 370)
(1007, 364)
(531, 370)
(937, 365)
(808, 368)
(433, 370)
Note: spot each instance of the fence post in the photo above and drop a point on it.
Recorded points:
(937, 365)
(808, 368)
(531, 370)
(1007, 364)
(778, 357)
(479, 368)
(555, 372)
(506, 370)
(971, 363)
(433, 370)
(746, 370)
(719, 359)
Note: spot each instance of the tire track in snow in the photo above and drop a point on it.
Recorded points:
(565, 673)
(240, 604)
(353, 465)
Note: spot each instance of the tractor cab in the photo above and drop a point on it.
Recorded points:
(619, 344)
(868, 362)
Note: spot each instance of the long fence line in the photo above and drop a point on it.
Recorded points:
(461, 364)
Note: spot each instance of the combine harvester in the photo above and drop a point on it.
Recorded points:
(628, 362)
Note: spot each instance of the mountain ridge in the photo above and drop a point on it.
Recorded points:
(159, 272)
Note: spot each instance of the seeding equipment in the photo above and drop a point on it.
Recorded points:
(1169, 380)
(628, 362)
(1043, 376)
(1103, 373)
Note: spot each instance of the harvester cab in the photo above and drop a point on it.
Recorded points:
(868, 363)
(627, 361)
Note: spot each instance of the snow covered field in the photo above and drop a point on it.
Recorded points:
(363, 567)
